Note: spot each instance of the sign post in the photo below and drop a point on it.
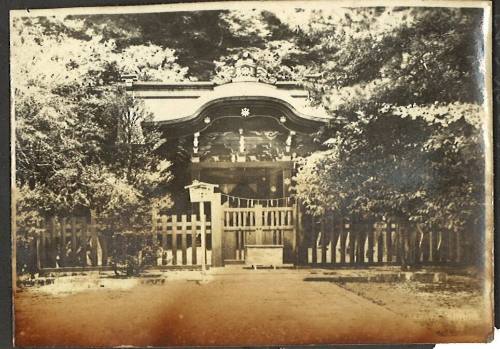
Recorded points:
(205, 192)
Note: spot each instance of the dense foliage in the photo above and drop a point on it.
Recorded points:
(407, 136)
(79, 141)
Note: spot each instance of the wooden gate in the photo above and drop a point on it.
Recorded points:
(258, 225)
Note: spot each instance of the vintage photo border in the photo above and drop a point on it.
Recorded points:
(6, 131)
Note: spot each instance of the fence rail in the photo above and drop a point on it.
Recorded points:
(330, 241)
(258, 225)
(80, 242)
(70, 241)
(180, 236)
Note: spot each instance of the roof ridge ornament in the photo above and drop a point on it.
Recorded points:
(245, 68)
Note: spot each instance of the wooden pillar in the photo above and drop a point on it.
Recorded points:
(195, 175)
(294, 231)
(216, 228)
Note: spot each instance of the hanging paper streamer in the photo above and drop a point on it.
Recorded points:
(251, 202)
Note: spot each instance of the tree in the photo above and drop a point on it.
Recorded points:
(68, 106)
(406, 134)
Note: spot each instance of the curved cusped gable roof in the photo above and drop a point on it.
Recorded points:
(186, 106)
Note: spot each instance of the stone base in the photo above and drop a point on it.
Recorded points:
(264, 255)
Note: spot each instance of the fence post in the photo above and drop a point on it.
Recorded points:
(314, 237)
(352, 241)
(184, 239)
(333, 239)
(361, 242)
(370, 231)
(343, 239)
(164, 244)
(323, 239)
(174, 239)
(194, 246)
(38, 253)
(93, 237)
(53, 245)
(203, 236)
(258, 225)
(391, 236)
(458, 247)
(301, 250)
(62, 257)
(43, 244)
(154, 223)
(74, 248)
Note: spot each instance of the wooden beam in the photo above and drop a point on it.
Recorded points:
(255, 164)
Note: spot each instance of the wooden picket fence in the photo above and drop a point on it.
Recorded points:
(70, 242)
(329, 241)
(79, 242)
(181, 238)
(341, 241)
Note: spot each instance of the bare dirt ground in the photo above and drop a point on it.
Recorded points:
(455, 308)
(232, 306)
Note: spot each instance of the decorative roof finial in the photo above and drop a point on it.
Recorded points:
(245, 68)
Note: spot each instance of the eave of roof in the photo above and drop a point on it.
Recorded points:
(179, 101)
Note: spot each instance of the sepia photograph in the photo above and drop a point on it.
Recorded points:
(252, 173)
